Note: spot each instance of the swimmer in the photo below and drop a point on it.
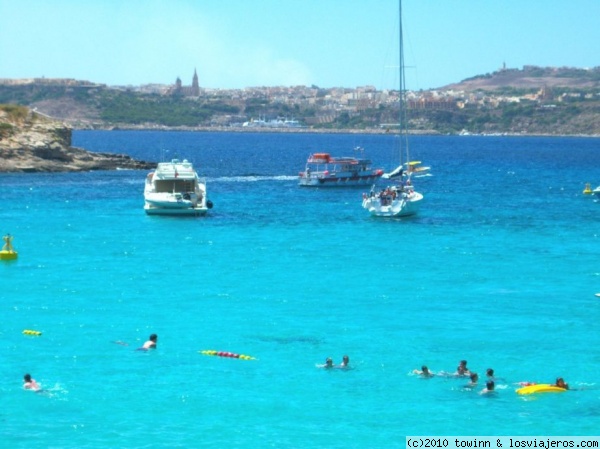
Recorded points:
(345, 362)
(30, 384)
(474, 377)
(489, 387)
(423, 372)
(560, 383)
(328, 363)
(490, 375)
(151, 343)
(461, 369)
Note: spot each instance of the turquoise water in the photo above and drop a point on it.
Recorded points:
(500, 268)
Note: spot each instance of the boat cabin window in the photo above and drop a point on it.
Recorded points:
(174, 186)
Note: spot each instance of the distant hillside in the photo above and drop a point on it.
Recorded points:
(531, 77)
(531, 100)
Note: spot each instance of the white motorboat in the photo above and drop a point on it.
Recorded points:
(174, 188)
(398, 200)
(323, 170)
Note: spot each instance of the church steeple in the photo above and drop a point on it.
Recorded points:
(195, 85)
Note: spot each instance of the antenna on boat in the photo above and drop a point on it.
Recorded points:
(163, 154)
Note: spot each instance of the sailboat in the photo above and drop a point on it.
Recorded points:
(399, 199)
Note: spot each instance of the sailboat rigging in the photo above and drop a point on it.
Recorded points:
(400, 199)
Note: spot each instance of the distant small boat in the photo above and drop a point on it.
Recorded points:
(323, 170)
(414, 168)
(174, 188)
(274, 123)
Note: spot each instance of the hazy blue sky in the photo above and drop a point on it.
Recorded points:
(243, 43)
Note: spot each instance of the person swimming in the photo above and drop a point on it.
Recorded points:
(474, 378)
(423, 372)
(30, 384)
(345, 362)
(328, 363)
(560, 383)
(489, 387)
(151, 343)
(461, 369)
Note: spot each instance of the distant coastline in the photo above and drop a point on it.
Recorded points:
(559, 101)
(376, 131)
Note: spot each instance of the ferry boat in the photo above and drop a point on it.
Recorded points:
(174, 188)
(323, 170)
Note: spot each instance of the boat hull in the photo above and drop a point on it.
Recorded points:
(337, 181)
(191, 211)
(404, 205)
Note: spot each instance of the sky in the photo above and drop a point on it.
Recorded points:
(234, 44)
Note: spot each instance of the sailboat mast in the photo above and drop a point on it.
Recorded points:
(402, 114)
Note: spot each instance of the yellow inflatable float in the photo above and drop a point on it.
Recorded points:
(8, 252)
(540, 388)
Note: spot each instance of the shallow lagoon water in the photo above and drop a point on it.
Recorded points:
(500, 268)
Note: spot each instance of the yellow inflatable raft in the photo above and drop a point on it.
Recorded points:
(540, 388)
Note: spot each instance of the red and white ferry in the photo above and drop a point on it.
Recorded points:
(323, 170)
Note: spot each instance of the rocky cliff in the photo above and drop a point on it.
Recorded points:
(31, 142)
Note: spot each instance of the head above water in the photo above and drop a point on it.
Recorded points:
(153, 338)
(27, 377)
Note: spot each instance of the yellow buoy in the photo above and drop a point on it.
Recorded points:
(588, 189)
(8, 252)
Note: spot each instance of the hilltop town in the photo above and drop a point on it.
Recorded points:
(531, 100)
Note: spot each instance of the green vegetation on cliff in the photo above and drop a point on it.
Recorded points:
(138, 109)
(10, 114)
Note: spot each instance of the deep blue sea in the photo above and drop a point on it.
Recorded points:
(500, 268)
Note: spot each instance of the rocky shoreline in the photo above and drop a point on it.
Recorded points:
(31, 143)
